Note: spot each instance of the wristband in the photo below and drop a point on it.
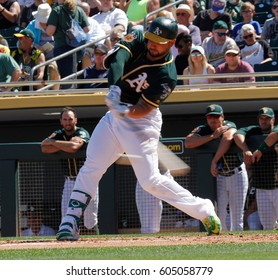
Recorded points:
(262, 147)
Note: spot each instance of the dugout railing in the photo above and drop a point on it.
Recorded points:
(29, 176)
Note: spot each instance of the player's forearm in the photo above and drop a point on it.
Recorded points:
(271, 139)
(240, 142)
(223, 148)
(193, 141)
(67, 146)
(140, 110)
(49, 149)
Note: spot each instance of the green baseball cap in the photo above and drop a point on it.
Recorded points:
(214, 109)
(266, 111)
(25, 33)
(220, 24)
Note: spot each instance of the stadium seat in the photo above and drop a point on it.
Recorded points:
(8, 34)
(266, 67)
(263, 12)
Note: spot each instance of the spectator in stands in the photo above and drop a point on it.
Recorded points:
(233, 8)
(95, 30)
(264, 167)
(27, 14)
(198, 65)
(42, 41)
(110, 17)
(182, 29)
(234, 64)
(58, 22)
(247, 11)
(254, 50)
(94, 6)
(206, 19)
(184, 15)
(9, 13)
(3, 41)
(96, 70)
(35, 224)
(216, 46)
(229, 170)
(136, 11)
(183, 44)
(270, 28)
(196, 5)
(4, 46)
(28, 56)
(115, 36)
(9, 71)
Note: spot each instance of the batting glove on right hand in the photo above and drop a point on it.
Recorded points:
(113, 96)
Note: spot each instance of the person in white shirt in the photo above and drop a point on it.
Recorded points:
(110, 17)
(95, 30)
(254, 50)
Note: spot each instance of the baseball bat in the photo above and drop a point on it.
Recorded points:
(167, 159)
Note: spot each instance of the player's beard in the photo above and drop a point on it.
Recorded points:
(69, 128)
(154, 54)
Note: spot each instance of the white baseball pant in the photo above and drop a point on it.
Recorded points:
(232, 190)
(90, 213)
(267, 202)
(113, 136)
(149, 208)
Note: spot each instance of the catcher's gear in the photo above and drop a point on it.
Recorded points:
(162, 30)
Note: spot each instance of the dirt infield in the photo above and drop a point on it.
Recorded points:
(137, 241)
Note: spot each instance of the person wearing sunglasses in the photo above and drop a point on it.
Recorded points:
(198, 65)
(216, 45)
(184, 16)
(228, 168)
(96, 69)
(270, 27)
(254, 50)
(247, 12)
(234, 65)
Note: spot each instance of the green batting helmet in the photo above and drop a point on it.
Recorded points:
(162, 30)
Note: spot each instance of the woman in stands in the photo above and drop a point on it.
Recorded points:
(198, 65)
(58, 22)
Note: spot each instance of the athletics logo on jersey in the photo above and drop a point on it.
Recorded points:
(165, 91)
(139, 83)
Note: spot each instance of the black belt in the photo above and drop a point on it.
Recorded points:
(230, 173)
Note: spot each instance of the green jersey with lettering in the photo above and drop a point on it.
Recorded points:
(152, 80)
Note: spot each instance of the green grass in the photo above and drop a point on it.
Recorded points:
(217, 251)
(247, 251)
